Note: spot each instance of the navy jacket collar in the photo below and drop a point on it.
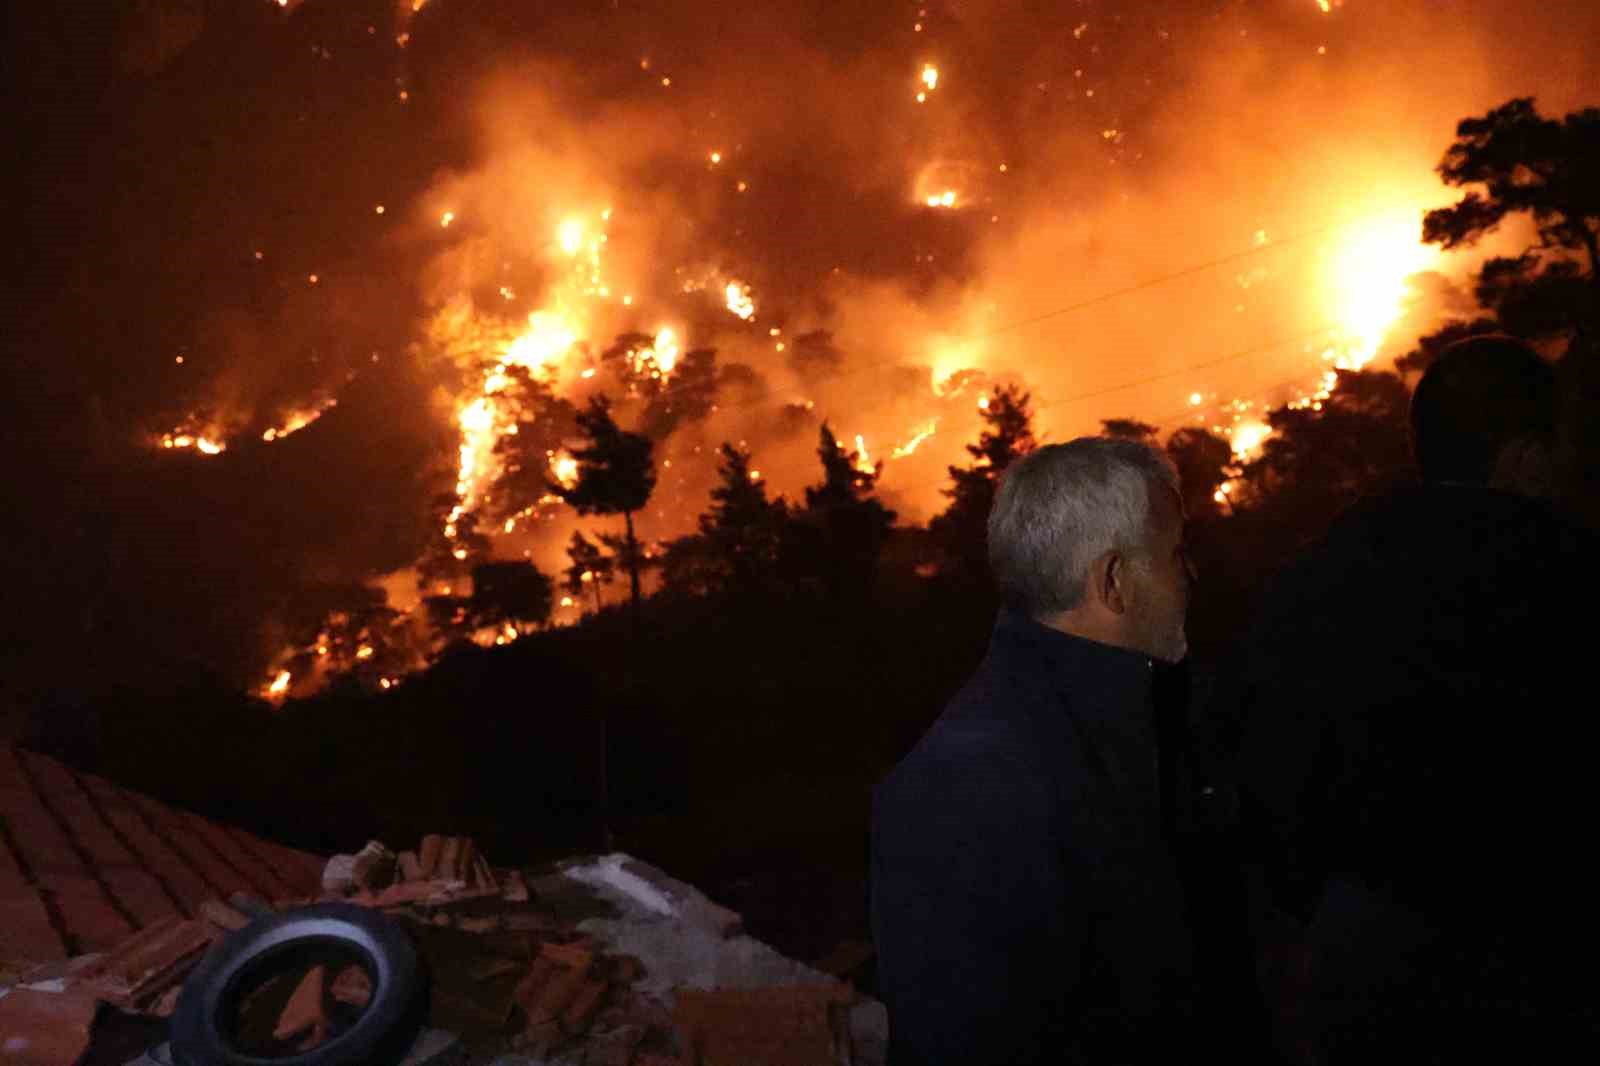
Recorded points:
(1085, 693)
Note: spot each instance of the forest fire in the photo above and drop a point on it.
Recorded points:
(999, 205)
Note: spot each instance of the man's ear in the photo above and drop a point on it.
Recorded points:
(1108, 578)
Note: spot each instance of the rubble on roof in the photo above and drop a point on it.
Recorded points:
(605, 960)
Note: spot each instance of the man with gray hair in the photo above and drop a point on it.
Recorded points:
(1025, 904)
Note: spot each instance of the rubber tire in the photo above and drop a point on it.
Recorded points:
(380, 1037)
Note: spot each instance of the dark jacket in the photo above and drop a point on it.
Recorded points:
(1420, 727)
(1025, 905)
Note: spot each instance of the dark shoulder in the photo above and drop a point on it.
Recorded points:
(970, 753)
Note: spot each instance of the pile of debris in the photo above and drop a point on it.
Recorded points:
(603, 961)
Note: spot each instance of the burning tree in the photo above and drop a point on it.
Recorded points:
(1317, 463)
(615, 475)
(590, 568)
(840, 532)
(545, 421)
(346, 631)
(1204, 461)
(737, 547)
(1007, 436)
(510, 596)
(454, 549)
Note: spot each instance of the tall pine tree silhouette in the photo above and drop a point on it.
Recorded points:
(961, 530)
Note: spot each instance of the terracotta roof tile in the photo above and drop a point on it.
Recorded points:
(83, 863)
(165, 864)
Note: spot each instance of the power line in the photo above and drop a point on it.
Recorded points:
(1105, 297)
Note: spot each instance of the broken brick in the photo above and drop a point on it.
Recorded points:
(46, 1028)
(581, 1011)
(577, 955)
(530, 987)
(223, 916)
(493, 968)
(149, 962)
(514, 889)
(428, 860)
(448, 868)
(352, 986)
(303, 1014)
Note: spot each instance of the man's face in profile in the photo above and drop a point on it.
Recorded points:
(1159, 583)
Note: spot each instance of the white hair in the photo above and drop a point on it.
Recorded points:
(1065, 505)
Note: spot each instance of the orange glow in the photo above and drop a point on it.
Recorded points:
(447, 218)
(1366, 281)
(280, 684)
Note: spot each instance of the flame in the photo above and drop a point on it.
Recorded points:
(205, 444)
(665, 350)
(280, 684)
(930, 76)
(570, 235)
(944, 199)
(739, 301)
(564, 468)
(297, 421)
(447, 218)
(1367, 282)
(911, 445)
(863, 460)
(1248, 437)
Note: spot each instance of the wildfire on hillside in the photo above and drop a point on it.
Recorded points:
(642, 242)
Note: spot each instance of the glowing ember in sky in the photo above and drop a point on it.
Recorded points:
(930, 76)
(280, 684)
(447, 218)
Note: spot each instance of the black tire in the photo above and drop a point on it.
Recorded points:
(201, 1031)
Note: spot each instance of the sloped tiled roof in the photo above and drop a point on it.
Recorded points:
(84, 863)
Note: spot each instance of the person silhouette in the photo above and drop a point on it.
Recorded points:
(1414, 753)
